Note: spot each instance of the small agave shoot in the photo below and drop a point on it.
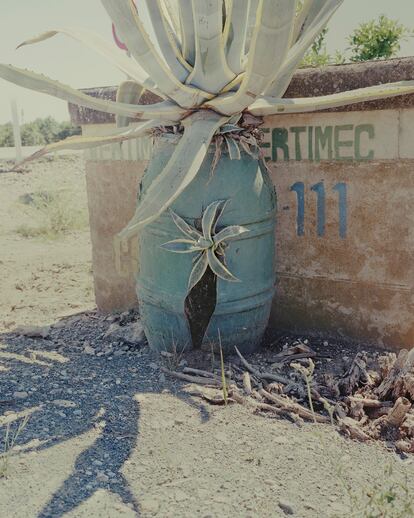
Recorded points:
(218, 66)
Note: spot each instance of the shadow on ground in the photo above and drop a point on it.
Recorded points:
(74, 393)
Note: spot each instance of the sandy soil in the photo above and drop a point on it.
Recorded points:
(42, 277)
(109, 436)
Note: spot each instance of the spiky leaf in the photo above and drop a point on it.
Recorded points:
(185, 227)
(283, 76)
(198, 270)
(187, 30)
(40, 83)
(270, 106)
(124, 14)
(180, 170)
(233, 148)
(235, 35)
(209, 218)
(272, 31)
(181, 246)
(128, 92)
(81, 142)
(105, 49)
(229, 233)
(218, 267)
(210, 72)
(165, 40)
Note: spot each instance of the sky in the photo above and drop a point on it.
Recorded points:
(69, 62)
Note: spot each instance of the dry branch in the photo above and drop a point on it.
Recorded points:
(398, 412)
(247, 385)
(296, 408)
(198, 372)
(352, 429)
(261, 375)
(198, 380)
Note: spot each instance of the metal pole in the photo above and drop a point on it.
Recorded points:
(16, 131)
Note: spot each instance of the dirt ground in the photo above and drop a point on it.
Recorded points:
(109, 435)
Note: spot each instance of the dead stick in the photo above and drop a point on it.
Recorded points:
(271, 408)
(247, 384)
(291, 406)
(398, 412)
(199, 372)
(270, 376)
(265, 375)
(297, 356)
(247, 364)
(367, 402)
(192, 379)
(351, 427)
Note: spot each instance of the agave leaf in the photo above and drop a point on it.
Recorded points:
(165, 41)
(270, 105)
(181, 246)
(233, 148)
(230, 232)
(268, 49)
(284, 75)
(305, 17)
(220, 210)
(251, 22)
(199, 269)
(187, 30)
(218, 267)
(209, 218)
(230, 128)
(128, 92)
(235, 34)
(40, 83)
(81, 142)
(185, 227)
(107, 50)
(171, 12)
(211, 72)
(180, 170)
(125, 16)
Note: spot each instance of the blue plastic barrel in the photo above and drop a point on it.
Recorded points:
(242, 309)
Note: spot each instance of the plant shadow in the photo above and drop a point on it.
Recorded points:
(75, 393)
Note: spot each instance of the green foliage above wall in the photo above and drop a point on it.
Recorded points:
(39, 132)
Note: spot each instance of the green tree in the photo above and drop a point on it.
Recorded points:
(318, 56)
(377, 39)
(39, 132)
(6, 135)
(31, 135)
(49, 128)
(66, 129)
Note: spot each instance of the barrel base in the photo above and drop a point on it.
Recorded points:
(169, 331)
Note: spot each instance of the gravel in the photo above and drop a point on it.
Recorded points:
(76, 369)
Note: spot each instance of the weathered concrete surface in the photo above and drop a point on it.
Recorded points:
(359, 285)
(310, 82)
(112, 191)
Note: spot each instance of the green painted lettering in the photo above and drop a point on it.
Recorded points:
(310, 143)
(342, 143)
(280, 141)
(297, 130)
(370, 130)
(323, 139)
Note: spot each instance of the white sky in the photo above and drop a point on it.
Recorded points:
(63, 59)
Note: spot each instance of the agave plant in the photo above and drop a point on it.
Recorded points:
(208, 244)
(212, 60)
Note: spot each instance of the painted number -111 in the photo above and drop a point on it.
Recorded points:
(319, 189)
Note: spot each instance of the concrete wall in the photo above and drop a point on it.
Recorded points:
(345, 185)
